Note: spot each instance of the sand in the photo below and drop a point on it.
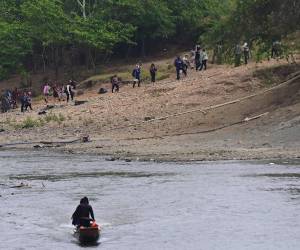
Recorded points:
(125, 125)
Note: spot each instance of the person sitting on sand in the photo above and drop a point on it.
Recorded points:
(81, 216)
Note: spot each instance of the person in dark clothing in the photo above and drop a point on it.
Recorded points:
(69, 92)
(28, 101)
(136, 73)
(4, 103)
(179, 64)
(197, 58)
(15, 95)
(276, 47)
(115, 83)
(237, 55)
(56, 92)
(81, 216)
(25, 102)
(153, 70)
(73, 83)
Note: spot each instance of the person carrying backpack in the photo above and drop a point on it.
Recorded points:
(179, 64)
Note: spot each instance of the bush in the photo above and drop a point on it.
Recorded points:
(55, 118)
(28, 123)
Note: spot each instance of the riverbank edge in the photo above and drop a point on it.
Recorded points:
(206, 155)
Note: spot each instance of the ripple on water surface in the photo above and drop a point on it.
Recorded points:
(140, 205)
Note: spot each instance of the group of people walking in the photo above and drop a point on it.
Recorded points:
(239, 51)
(59, 92)
(10, 99)
(137, 77)
(198, 60)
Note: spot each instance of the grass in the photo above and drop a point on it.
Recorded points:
(124, 73)
(38, 98)
(30, 122)
(55, 118)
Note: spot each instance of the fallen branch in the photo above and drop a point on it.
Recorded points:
(81, 139)
(203, 131)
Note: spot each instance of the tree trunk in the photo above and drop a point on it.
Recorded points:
(82, 6)
(91, 59)
(44, 59)
(72, 59)
(143, 53)
(128, 52)
(55, 57)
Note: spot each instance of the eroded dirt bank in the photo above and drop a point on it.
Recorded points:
(120, 125)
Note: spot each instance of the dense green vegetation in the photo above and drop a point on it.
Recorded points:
(42, 34)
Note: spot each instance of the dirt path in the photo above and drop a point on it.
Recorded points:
(212, 135)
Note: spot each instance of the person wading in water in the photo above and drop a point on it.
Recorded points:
(81, 216)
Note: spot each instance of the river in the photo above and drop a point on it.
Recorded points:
(147, 205)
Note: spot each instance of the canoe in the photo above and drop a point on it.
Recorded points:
(87, 235)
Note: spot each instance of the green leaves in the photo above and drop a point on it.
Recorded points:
(14, 46)
(44, 30)
(45, 21)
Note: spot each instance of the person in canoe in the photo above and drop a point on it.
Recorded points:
(81, 216)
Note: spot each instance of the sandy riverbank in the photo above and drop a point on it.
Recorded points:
(119, 124)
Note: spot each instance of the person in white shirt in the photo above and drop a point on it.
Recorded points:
(246, 52)
(204, 57)
(69, 90)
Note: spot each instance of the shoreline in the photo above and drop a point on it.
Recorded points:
(190, 119)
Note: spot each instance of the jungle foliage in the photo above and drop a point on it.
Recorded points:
(42, 34)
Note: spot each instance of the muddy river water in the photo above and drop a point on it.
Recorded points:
(148, 205)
